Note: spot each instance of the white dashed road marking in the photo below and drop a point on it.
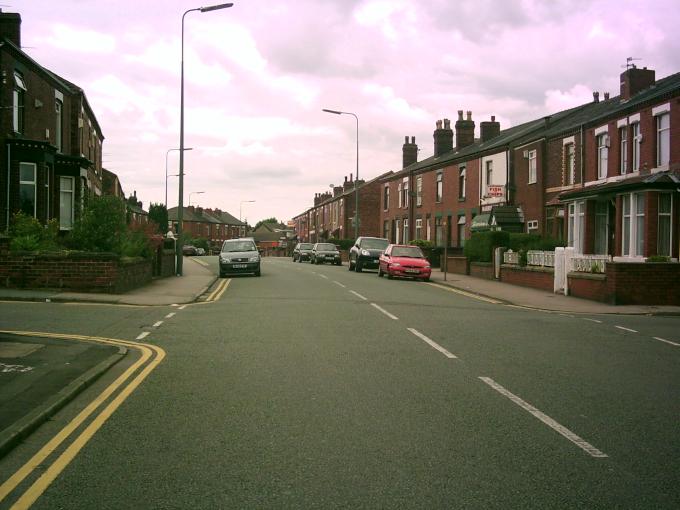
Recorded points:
(142, 335)
(393, 317)
(182, 307)
(323, 276)
(340, 284)
(432, 343)
(170, 315)
(359, 295)
(578, 441)
(158, 324)
(667, 341)
(592, 320)
(626, 329)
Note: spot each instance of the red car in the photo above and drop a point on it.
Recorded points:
(404, 260)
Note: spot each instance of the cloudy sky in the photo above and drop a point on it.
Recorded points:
(258, 74)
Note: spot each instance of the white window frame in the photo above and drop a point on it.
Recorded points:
(623, 150)
(462, 182)
(576, 224)
(488, 175)
(636, 138)
(428, 229)
(404, 189)
(58, 132)
(668, 215)
(419, 190)
(419, 229)
(71, 192)
(602, 155)
(405, 236)
(532, 167)
(632, 217)
(18, 103)
(570, 162)
(663, 133)
(397, 231)
(33, 183)
(439, 187)
(386, 197)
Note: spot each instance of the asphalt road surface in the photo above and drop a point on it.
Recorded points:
(316, 387)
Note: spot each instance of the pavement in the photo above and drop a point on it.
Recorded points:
(28, 400)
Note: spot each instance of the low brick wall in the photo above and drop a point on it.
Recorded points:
(535, 277)
(482, 270)
(588, 286)
(648, 283)
(80, 272)
(458, 265)
(167, 263)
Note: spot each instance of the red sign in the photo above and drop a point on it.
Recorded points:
(495, 190)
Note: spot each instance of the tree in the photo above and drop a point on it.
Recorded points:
(158, 214)
(268, 220)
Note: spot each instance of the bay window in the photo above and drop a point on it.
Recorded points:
(27, 188)
(633, 226)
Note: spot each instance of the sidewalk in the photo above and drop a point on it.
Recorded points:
(162, 291)
(541, 299)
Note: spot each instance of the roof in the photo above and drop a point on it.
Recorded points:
(660, 180)
(350, 191)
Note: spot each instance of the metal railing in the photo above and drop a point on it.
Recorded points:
(541, 258)
(510, 257)
(590, 263)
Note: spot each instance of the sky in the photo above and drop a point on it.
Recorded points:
(258, 75)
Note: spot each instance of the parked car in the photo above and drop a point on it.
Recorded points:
(200, 251)
(239, 256)
(302, 251)
(325, 252)
(188, 250)
(406, 261)
(366, 252)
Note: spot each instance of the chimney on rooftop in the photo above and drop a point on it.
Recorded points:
(596, 97)
(634, 80)
(606, 96)
(10, 27)
(465, 130)
(489, 130)
(443, 138)
(409, 152)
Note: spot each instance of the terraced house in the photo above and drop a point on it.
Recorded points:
(51, 147)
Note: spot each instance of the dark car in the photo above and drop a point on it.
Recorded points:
(188, 250)
(239, 256)
(302, 251)
(405, 261)
(366, 252)
(325, 252)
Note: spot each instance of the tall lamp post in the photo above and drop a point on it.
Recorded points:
(241, 205)
(194, 193)
(166, 173)
(180, 205)
(356, 191)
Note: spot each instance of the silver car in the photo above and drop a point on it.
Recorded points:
(239, 256)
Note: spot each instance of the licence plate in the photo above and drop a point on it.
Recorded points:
(412, 271)
(239, 266)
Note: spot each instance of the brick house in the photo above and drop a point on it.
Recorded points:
(50, 154)
(214, 225)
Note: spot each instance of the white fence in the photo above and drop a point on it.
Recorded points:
(591, 263)
(581, 263)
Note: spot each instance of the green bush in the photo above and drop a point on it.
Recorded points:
(422, 243)
(480, 246)
(201, 243)
(135, 244)
(528, 242)
(658, 258)
(27, 234)
(101, 226)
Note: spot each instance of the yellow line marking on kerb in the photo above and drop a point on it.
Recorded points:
(467, 294)
(217, 293)
(40, 485)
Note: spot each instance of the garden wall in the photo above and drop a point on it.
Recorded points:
(458, 265)
(648, 283)
(534, 277)
(482, 270)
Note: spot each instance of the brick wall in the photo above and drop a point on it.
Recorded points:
(482, 270)
(643, 283)
(81, 272)
(534, 277)
(588, 286)
(458, 265)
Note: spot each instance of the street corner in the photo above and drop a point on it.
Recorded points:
(39, 375)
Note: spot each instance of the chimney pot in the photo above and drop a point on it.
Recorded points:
(406, 139)
(596, 97)
(460, 114)
(413, 139)
(447, 124)
(469, 115)
(438, 124)
(606, 96)
(493, 118)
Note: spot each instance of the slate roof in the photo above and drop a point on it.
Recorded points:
(660, 180)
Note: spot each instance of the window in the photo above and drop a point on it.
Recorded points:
(576, 225)
(405, 237)
(438, 232)
(439, 191)
(27, 188)
(633, 224)
(397, 231)
(66, 201)
(636, 138)
(665, 234)
(461, 231)
(419, 229)
(461, 182)
(663, 139)
(532, 167)
(18, 99)
(570, 163)
(419, 191)
(386, 197)
(623, 150)
(58, 107)
(386, 229)
(601, 230)
(489, 172)
(404, 188)
(602, 155)
(400, 196)
(428, 229)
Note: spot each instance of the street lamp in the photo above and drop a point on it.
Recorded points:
(356, 191)
(194, 193)
(241, 205)
(166, 173)
(180, 205)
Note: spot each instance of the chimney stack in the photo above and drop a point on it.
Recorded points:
(634, 80)
(347, 185)
(409, 152)
(443, 138)
(606, 96)
(10, 27)
(465, 130)
(489, 130)
(596, 97)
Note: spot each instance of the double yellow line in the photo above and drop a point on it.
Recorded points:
(151, 356)
(216, 294)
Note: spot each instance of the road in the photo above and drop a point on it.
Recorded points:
(316, 387)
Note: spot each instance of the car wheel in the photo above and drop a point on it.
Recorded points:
(426, 279)
(338, 263)
(380, 273)
(257, 273)
(389, 276)
(349, 265)
(357, 266)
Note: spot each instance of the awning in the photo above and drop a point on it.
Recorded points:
(480, 223)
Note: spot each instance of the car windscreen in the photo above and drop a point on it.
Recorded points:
(306, 246)
(326, 247)
(239, 246)
(407, 251)
(374, 244)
